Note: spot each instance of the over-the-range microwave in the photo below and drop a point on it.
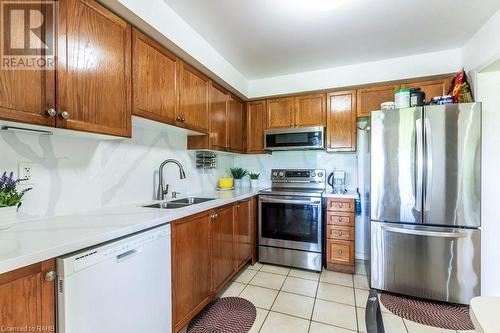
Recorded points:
(298, 138)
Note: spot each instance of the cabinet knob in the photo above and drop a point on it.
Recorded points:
(51, 112)
(50, 276)
(178, 118)
(65, 114)
(339, 251)
(183, 119)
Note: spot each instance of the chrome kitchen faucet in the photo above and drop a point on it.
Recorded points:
(162, 192)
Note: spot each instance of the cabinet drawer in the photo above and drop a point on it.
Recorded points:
(339, 232)
(340, 205)
(340, 218)
(339, 251)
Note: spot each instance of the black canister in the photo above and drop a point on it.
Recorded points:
(417, 97)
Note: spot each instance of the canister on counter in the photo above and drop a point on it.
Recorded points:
(402, 98)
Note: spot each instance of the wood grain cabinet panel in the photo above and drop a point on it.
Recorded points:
(222, 247)
(219, 103)
(431, 88)
(369, 99)
(194, 98)
(310, 110)
(26, 95)
(256, 120)
(340, 252)
(340, 235)
(94, 69)
(235, 125)
(280, 112)
(341, 123)
(191, 267)
(154, 80)
(244, 232)
(27, 299)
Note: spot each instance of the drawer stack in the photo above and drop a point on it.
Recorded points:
(340, 221)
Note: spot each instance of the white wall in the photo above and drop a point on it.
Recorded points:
(427, 64)
(75, 174)
(488, 88)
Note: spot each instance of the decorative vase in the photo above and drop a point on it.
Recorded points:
(7, 216)
(254, 183)
(237, 183)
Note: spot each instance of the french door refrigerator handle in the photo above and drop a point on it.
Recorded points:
(424, 232)
(428, 159)
(420, 164)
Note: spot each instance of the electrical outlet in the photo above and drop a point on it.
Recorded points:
(26, 172)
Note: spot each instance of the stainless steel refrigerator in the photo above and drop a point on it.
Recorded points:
(425, 201)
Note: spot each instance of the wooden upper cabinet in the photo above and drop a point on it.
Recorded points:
(154, 80)
(431, 88)
(256, 120)
(235, 125)
(27, 95)
(94, 69)
(27, 299)
(223, 263)
(219, 101)
(193, 98)
(280, 112)
(341, 123)
(369, 99)
(244, 228)
(191, 267)
(310, 110)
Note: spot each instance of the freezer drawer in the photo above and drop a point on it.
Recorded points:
(429, 262)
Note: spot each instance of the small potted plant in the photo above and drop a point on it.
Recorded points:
(10, 198)
(238, 174)
(254, 179)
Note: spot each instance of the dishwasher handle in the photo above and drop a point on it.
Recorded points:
(128, 254)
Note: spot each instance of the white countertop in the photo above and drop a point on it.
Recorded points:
(348, 195)
(484, 314)
(32, 241)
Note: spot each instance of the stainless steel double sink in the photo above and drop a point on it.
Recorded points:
(179, 203)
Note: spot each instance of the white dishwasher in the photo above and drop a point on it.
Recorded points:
(122, 286)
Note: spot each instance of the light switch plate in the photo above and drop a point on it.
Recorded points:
(26, 172)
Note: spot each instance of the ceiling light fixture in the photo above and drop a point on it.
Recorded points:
(314, 5)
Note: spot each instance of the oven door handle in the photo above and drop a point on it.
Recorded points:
(291, 201)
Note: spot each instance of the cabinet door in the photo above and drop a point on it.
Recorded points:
(191, 267)
(280, 112)
(340, 252)
(369, 99)
(154, 80)
(310, 110)
(235, 126)
(431, 88)
(222, 247)
(341, 131)
(255, 126)
(93, 78)
(27, 95)
(218, 118)
(194, 92)
(27, 299)
(244, 229)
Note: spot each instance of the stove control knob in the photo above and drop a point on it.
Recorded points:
(320, 174)
(275, 173)
(313, 174)
(281, 174)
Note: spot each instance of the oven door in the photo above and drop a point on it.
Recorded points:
(290, 222)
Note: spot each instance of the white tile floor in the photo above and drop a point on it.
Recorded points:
(297, 301)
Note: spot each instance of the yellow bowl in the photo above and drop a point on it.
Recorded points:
(226, 182)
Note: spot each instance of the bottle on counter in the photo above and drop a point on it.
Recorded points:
(358, 202)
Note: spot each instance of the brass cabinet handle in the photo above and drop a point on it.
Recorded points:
(51, 112)
(339, 252)
(178, 118)
(183, 119)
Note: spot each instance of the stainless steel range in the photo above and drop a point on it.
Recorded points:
(290, 218)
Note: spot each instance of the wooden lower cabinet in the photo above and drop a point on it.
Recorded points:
(245, 231)
(340, 235)
(27, 299)
(208, 249)
(191, 267)
(222, 247)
